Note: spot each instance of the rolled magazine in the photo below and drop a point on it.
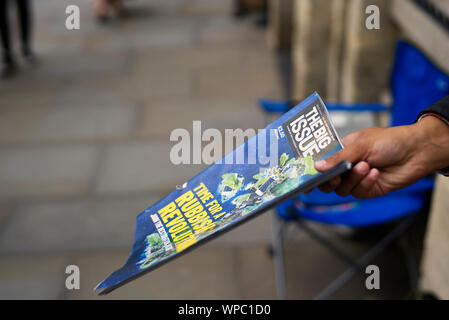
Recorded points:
(234, 189)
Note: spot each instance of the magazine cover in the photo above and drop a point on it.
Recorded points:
(232, 190)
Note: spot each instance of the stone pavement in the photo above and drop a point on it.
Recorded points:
(84, 147)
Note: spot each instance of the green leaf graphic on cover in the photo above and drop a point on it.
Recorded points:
(232, 180)
(154, 241)
(291, 174)
(287, 186)
(309, 163)
(231, 183)
(260, 181)
(154, 248)
(291, 161)
(283, 159)
(241, 199)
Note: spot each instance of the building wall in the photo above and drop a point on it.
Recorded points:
(280, 24)
(310, 45)
(334, 54)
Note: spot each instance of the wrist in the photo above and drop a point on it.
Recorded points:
(432, 135)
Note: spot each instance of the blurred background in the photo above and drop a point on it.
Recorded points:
(84, 137)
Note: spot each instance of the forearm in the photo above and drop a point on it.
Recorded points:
(432, 143)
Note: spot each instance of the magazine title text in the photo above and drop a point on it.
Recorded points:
(310, 133)
(189, 215)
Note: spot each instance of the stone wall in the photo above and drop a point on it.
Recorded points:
(334, 54)
(280, 24)
(310, 45)
(368, 54)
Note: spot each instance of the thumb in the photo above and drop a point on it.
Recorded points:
(352, 153)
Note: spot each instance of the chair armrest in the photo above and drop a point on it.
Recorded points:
(273, 106)
(357, 107)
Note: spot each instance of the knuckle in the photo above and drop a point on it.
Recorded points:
(325, 189)
(360, 194)
(341, 192)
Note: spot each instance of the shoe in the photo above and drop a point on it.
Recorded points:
(102, 19)
(30, 59)
(262, 20)
(8, 71)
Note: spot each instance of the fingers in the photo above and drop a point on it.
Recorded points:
(359, 182)
(330, 185)
(357, 174)
(353, 152)
(365, 188)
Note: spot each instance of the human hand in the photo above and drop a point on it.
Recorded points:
(388, 159)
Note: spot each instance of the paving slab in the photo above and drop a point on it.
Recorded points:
(86, 113)
(205, 7)
(70, 66)
(160, 33)
(18, 112)
(188, 58)
(227, 30)
(201, 274)
(160, 117)
(248, 81)
(32, 276)
(6, 211)
(141, 166)
(75, 115)
(74, 224)
(47, 171)
(145, 86)
(206, 273)
(256, 272)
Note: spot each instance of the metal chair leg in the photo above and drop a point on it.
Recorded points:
(326, 243)
(411, 263)
(365, 259)
(278, 257)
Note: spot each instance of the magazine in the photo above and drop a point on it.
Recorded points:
(230, 192)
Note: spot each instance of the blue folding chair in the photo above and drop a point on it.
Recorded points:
(416, 83)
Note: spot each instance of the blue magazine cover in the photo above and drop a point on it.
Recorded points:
(232, 190)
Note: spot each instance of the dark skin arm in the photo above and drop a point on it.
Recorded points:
(388, 159)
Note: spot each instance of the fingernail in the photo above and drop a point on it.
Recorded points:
(363, 168)
(374, 173)
(321, 163)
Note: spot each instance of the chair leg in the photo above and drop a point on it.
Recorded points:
(326, 243)
(278, 257)
(411, 263)
(365, 259)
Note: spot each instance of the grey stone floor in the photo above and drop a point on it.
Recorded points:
(84, 147)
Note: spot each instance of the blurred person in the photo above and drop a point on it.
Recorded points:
(242, 8)
(104, 9)
(388, 159)
(24, 15)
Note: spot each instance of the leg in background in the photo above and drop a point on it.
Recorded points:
(117, 6)
(4, 33)
(239, 8)
(10, 66)
(24, 12)
(101, 10)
